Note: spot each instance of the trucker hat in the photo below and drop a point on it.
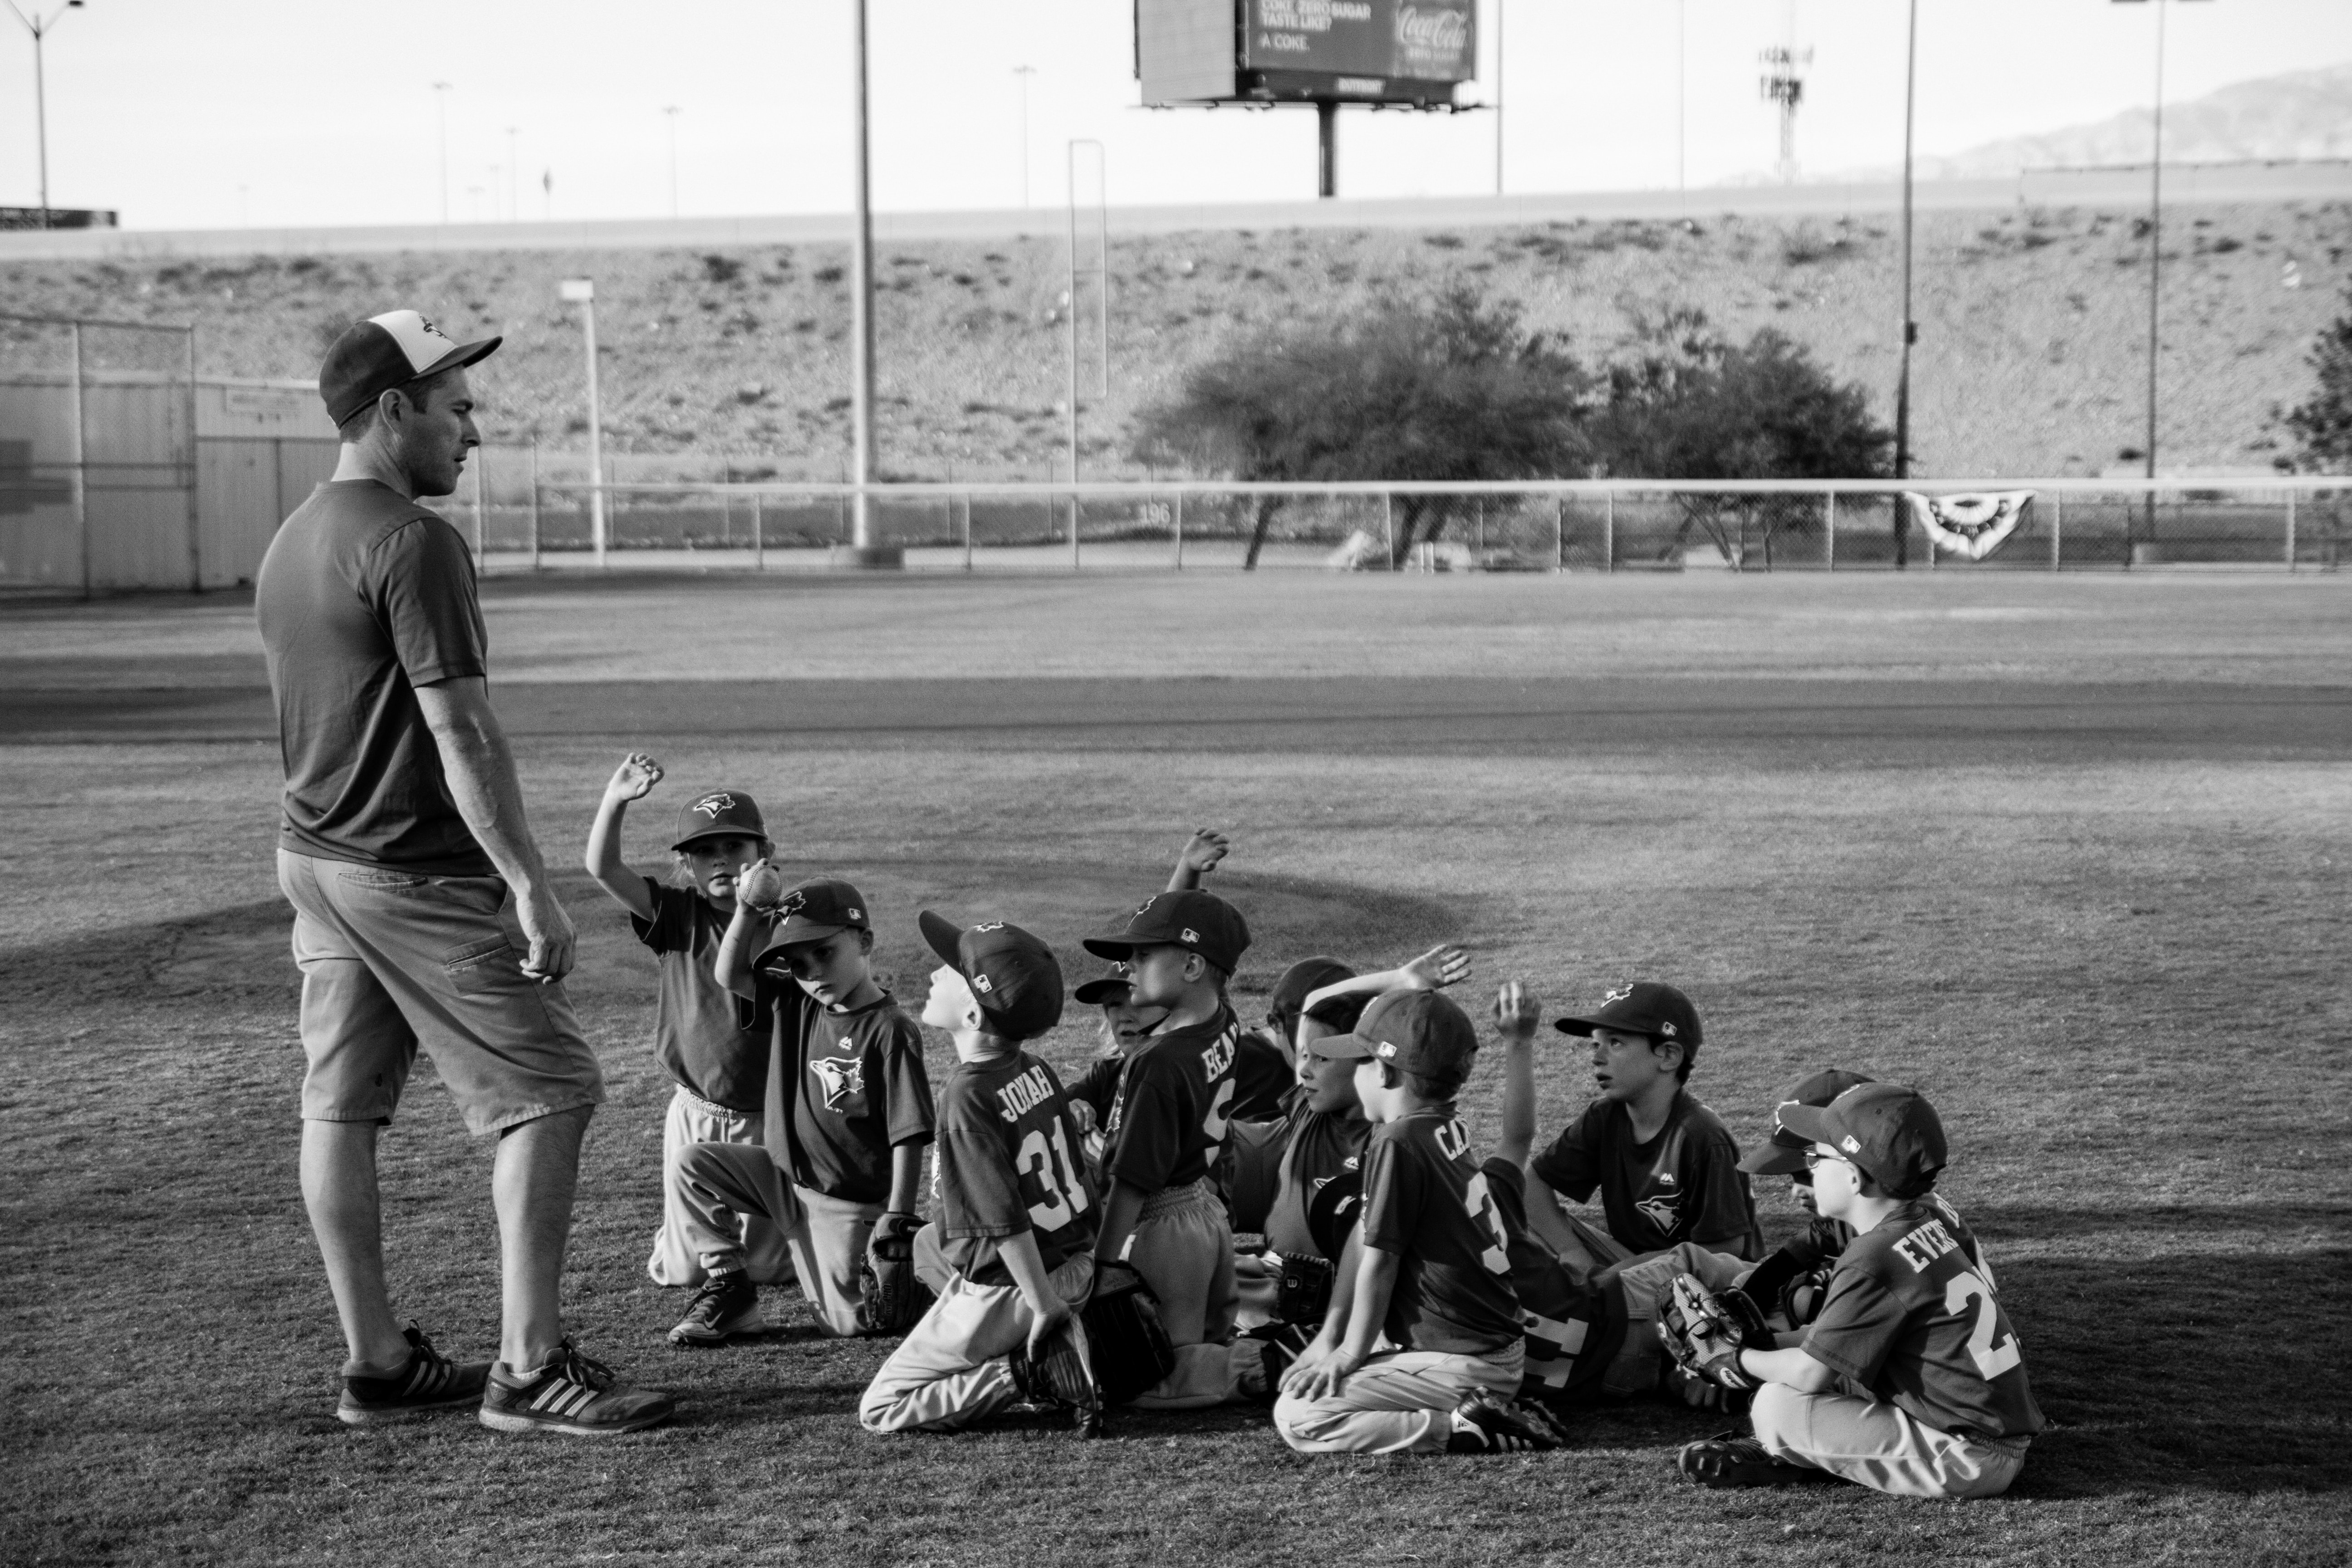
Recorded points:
(383, 351)
(1783, 1154)
(1014, 975)
(721, 813)
(811, 912)
(1889, 1132)
(1642, 1007)
(1413, 1031)
(1200, 922)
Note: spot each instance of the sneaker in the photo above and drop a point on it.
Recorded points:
(574, 1394)
(1484, 1424)
(1728, 1459)
(1261, 1356)
(430, 1381)
(724, 1306)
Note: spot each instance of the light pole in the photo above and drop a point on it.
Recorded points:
(514, 187)
(1102, 163)
(39, 29)
(670, 112)
(1022, 74)
(1498, 97)
(1682, 93)
(441, 111)
(861, 319)
(582, 291)
(1910, 328)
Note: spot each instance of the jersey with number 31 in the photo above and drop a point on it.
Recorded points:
(1009, 1162)
(1911, 1318)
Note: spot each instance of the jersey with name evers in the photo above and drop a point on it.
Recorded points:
(1574, 1326)
(1683, 1185)
(843, 1088)
(1911, 1320)
(1008, 1162)
(1169, 1117)
(1426, 1202)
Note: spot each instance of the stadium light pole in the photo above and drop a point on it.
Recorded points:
(582, 291)
(1498, 97)
(1022, 74)
(1910, 327)
(669, 112)
(861, 312)
(1682, 96)
(40, 29)
(441, 109)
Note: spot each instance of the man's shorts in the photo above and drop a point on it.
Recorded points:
(390, 961)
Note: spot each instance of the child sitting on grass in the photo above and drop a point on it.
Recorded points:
(720, 1070)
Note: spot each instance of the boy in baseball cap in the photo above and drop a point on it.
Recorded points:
(719, 1068)
(848, 1108)
(1946, 1411)
(1015, 1224)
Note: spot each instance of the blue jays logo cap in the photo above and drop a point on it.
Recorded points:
(1784, 1153)
(1200, 922)
(1413, 1031)
(1642, 1007)
(811, 912)
(1889, 1132)
(1014, 975)
(387, 351)
(720, 814)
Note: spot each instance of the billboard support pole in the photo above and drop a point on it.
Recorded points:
(1327, 140)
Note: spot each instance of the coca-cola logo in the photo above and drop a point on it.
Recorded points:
(1431, 29)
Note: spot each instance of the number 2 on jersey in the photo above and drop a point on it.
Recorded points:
(1066, 1196)
(1991, 1359)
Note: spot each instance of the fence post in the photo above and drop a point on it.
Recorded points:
(196, 516)
(534, 500)
(967, 530)
(1559, 533)
(2057, 527)
(1388, 530)
(2290, 530)
(1829, 534)
(759, 532)
(1609, 530)
(1074, 500)
(1179, 530)
(81, 466)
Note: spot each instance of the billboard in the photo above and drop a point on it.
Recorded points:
(1260, 51)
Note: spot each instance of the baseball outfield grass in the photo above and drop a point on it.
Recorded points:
(2070, 855)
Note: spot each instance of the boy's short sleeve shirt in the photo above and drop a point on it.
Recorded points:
(698, 1038)
(1910, 1320)
(1173, 1102)
(1261, 1079)
(1426, 1203)
(1007, 1164)
(843, 1088)
(1684, 1185)
(1319, 1147)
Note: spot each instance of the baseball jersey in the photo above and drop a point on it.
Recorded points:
(1426, 1203)
(1912, 1320)
(1168, 1116)
(1008, 1164)
(1684, 1185)
(698, 1036)
(1320, 1146)
(843, 1088)
(1262, 1078)
(1573, 1328)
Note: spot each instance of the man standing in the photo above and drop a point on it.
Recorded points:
(403, 837)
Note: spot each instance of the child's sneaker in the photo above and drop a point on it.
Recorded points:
(1732, 1459)
(430, 1381)
(724, 1306)
(1484, 1424)
(574, 1394)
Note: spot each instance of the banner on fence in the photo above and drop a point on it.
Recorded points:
(1971, 525)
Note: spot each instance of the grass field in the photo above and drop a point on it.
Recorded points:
(2069, 854)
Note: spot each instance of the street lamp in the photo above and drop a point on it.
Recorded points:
(1910, 327)
(441, 111)
(39, 29)
(1022, 74)
(1498, 97)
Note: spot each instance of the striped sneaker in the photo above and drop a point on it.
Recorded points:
(574, 1394)
(1483, 1424)
(1735, 1460)
(430, 1381)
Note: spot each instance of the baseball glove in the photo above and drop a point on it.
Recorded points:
(1705, 1332)
(889, 1296)
(1130, 1345)
(1061, 1372)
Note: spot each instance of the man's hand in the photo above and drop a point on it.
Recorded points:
(635, 778)
(1205, 848)
(1437, 968)
(1320, 1372)
(1517, 1011)
(548, 928)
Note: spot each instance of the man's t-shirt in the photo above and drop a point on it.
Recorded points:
(843, 1089)
(1908, 1319)
(1684, 1185)
(698, 1036)
(1008, 1162)
(363, 597)
(1426, 1203)
(1168, 1116)
(1574, 1327)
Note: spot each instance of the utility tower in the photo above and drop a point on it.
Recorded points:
(1783, 82)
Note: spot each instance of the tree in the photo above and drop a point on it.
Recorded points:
(1446, 388)
(2322, 423)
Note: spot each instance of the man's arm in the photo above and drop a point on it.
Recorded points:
(633, 780)
(480, 769)
(1196, 859)
(1515, 1011)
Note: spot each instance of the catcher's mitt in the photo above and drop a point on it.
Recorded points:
(1130, 1347)
(1705, 1332)
(1061, 1372)
(889, 1296)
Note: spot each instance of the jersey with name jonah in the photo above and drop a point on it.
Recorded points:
(1912, 1319)
(1008, 1163)
(1174, 1100)
(1426, 1203)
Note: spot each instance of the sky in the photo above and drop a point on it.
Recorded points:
(302, 112)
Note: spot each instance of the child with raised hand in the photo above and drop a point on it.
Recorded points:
(1015, 1219)
(848, 1110)
(720, 1071)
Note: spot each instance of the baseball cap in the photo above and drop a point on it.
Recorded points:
(1200, 922)
(1642, 1007)
(811, 912)
(723, 813)
(1100, 993)
(1339, 1014)
(1302, 980)
(383, 351)
(1413, 1031)
(1890, 1132)
(1783, 1154)
(1015, 976)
